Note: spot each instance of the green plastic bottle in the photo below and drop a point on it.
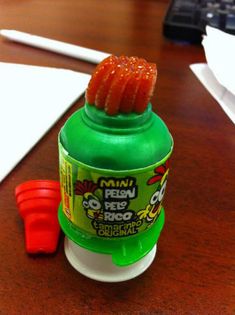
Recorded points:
(113, 174)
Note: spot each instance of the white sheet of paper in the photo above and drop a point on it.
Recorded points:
(32, 99)
(219, 49)
(223, 96)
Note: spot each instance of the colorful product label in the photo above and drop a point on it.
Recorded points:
(111, 204)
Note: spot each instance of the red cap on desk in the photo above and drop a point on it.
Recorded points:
(38, 202)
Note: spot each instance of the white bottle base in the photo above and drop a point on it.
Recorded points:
(100, 266)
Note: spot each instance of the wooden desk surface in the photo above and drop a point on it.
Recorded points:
(194, 270)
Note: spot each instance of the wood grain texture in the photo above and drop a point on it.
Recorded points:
(194, 272)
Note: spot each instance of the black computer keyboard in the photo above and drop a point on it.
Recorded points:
(186, 20)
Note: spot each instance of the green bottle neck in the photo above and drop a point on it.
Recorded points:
(120, 123)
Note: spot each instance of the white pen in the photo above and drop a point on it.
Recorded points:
(90, 55)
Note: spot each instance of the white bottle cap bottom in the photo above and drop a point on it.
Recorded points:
(100, 266)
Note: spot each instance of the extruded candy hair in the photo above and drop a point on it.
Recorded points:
(122, 85)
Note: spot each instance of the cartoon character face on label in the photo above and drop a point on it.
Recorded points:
(153, 209)
(155, 203)
(90, 202)
(92, 206)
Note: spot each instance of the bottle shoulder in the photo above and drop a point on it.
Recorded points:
(120, 147)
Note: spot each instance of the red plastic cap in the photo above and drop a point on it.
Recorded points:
(38, 202)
